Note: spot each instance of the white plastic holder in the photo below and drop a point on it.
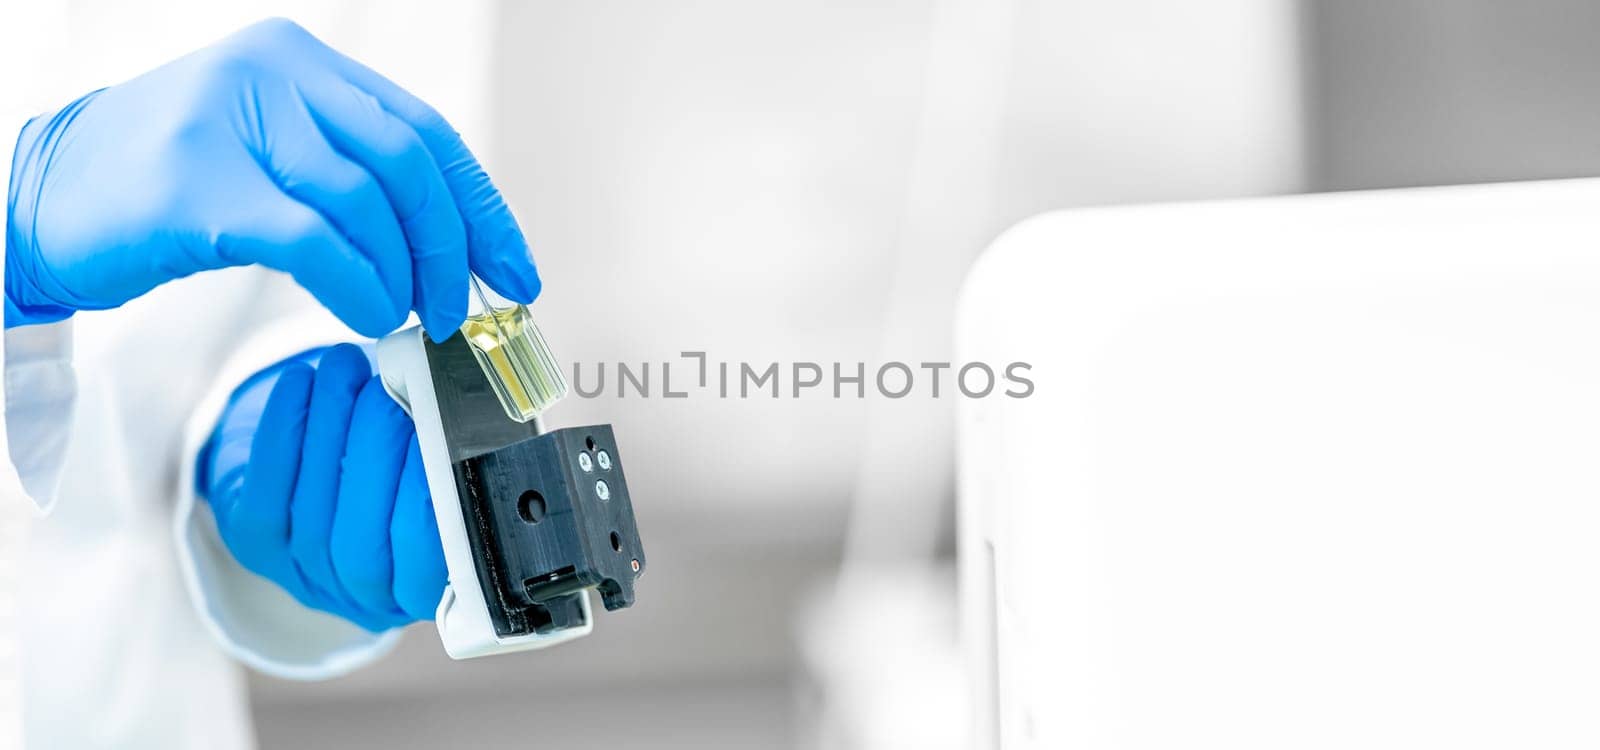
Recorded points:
(463, 615)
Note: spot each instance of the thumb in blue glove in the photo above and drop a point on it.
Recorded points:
(315, 479)
(266, 148)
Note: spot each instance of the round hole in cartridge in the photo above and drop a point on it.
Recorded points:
(530, 505)
(616, 541)
(588, 442)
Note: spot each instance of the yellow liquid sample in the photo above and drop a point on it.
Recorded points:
(516, 360)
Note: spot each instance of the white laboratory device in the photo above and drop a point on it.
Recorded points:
(531, 521)
(1315, 471)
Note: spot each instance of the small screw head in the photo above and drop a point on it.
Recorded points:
(604, 459)
(585, 463)
(602, 489)
(636, 566)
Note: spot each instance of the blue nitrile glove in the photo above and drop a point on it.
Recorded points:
(266, 148)
(316, 482)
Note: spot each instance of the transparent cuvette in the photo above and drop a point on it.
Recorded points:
(514, 356)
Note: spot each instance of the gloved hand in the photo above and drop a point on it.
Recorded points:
(268, 148)
(315, 479)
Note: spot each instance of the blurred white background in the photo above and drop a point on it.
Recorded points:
(807, 181)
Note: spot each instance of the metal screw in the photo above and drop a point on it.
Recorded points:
(586, 464)
(604, 459)
(602, 489)
(635, 566)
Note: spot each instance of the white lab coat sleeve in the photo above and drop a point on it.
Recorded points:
(254, 619)
(40, 386)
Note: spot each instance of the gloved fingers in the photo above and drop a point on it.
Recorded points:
(374, 456)
(310, 170)
(419, 568)
(360, 127)
(341, 373)
(226, 455)
(282, 233)
(256, 527)
(496, 248)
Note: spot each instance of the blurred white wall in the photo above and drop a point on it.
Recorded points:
(1416, 92)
